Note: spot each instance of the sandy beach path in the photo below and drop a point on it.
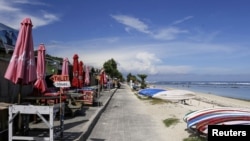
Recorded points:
(178, 132)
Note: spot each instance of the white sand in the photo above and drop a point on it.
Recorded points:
(178, 131)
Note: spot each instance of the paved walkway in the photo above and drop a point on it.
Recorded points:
(77, 128)
(121, 116)
(126, 119)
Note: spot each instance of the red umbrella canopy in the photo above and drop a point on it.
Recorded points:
(81, 82)
(65, 66)
(75, 80)
(40, 83)
(103, 79)
(86, 80)
(22, 69)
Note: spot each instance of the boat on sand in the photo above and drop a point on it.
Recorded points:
(174, 95)
(149, 92)
(198, 121)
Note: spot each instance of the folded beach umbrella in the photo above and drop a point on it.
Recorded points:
(103, 79)
(86, 79)
(40, 83)
(65, 69)
(75, 79)
(65, 66)
(22, 69)
(81, 81)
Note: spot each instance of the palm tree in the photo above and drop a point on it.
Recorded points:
(142, 77)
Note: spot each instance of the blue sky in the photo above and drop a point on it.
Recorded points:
(165, 39)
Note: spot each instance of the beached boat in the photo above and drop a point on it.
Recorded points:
(200, 120)
(150, 91)
(205, 119)
(202, 127)
(174, 95)
(194, 114)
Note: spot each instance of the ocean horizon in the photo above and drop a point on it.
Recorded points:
(232, 89)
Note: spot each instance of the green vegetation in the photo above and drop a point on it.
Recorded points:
(131, 77)
(135, 80)
(170, 121)
(194, 139)
(110, 68)
(53, 64)
(157, 101)
(142, 77)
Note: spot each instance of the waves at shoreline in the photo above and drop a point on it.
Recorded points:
(232, 89)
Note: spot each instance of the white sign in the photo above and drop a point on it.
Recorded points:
(62, 84)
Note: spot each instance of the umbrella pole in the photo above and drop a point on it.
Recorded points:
(19, 128)
(61, 114)
(19, 95)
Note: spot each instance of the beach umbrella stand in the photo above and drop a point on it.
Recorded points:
(21, 69)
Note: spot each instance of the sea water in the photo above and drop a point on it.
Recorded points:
(233, 89)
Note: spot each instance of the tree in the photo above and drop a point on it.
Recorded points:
(142, 77)
(131, 77)
(110, 68)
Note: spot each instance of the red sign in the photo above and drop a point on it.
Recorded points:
(87, 97)
(61, 80)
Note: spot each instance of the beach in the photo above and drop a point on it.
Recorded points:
(178, 131)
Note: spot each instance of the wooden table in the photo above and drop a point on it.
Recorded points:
(37, 99)
(73, 102)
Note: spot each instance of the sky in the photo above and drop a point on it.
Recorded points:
(168, 40)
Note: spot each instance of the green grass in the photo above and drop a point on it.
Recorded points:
(157, 101)
(170, 121)
(194, 139)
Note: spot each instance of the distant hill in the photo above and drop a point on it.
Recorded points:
(8, 35)
(5, 27)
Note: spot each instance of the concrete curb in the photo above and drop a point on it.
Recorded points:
(93, 120)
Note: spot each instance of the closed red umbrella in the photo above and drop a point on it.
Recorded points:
(103, 79)
(65, 69)
(40, 83)
(75, 79)
(22, 69)
(81, 82)
(86, 79)
(65, 66)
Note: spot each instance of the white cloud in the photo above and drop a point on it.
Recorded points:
(12, 13)
(169, 33)
(152, 59)
(6, 7)
(140, 62)
(30, 2)
(131, 22)
(183, 20)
